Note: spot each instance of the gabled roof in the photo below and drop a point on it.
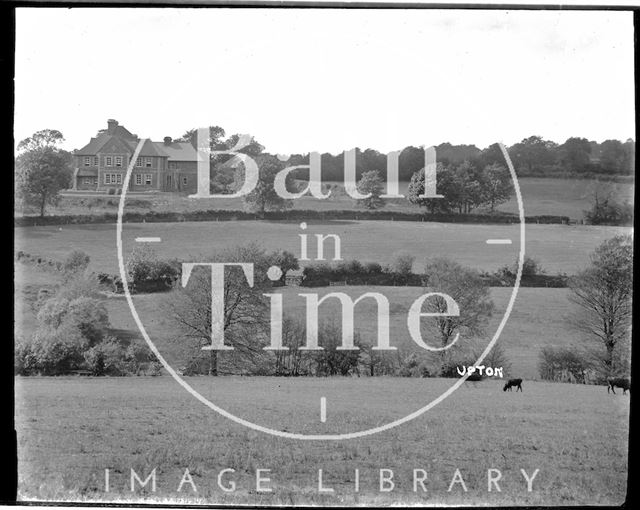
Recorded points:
(94, 146)
(178, 151)
(151, 149)
(119, 139)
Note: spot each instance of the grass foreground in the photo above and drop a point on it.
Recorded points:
(71, 429)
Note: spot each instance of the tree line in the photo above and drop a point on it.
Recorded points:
(533, 156)
(470, 177)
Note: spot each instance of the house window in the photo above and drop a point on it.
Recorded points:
(118, 178)
(139, 162)
(147, 162)
(118, 160)
(87, 161)
(107, 178)
(147, 179)
(138, 179)
(95, 160)
(87, 180)
(185, 181)
(108, 161)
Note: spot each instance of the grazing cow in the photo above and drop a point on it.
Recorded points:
(513, 382)
(620, 382)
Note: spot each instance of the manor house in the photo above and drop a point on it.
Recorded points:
(161, 166)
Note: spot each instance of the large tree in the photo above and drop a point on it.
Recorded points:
(245, 310)
(470, 293)
(575, 154)
(533, 153)
(613, 157)
(603, 293)
(466, 193)
(371, 183)
(496, 185)
(42, 169)
(444, 178)
(264, 196)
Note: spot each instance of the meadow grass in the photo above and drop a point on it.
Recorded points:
(71, 429)
(559, 248)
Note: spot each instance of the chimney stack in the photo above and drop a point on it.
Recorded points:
(111, 126)
(167, 140)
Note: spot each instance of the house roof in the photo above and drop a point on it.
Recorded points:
(178, 151)
(121, 137)
(94, 146)
(150, 149)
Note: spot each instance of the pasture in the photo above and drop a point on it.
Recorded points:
(566, 197)
(559, 248)
(71, 429)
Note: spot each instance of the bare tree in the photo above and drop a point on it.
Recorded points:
(470, 293)
(245, 310)
(293, 361)
(604, 293)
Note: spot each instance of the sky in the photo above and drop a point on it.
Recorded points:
(326, 80)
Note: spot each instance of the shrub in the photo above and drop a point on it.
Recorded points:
(79, 285)
(530, 267)
(414, 365)
(402, 262)
(609, 212)
(107, 358)
(111, 191)
(140, 358)
(56, 351)
(87, 314)
(140, 263)
(372, 268)
(25, 362)
(561, 364)
(75, 262)
(90, 316)
(53, 311)
(143, 266)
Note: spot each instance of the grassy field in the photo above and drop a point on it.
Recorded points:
(559, 248)
(567, 197)
(71, 429)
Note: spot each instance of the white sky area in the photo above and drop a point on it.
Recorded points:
(327, 80)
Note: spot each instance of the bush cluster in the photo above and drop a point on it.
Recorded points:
(73, 333)
(567, 364)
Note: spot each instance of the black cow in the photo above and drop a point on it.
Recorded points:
(511, 383)
(620, 382)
